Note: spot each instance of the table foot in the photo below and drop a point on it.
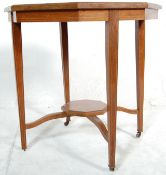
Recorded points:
(111, 168)
(138, 134)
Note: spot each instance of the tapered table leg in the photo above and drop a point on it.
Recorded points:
(17, 49)
(112, 30)
(140, 62)
(65, 63)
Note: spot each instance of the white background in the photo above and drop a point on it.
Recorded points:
(79, 148)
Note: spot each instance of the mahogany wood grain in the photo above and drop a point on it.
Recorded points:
(136, 14)
(60, 16)
(100, 125)
(65, 61)
(57, 115)
(45, 119)
(140, 63)
(17, 49)
(82, 5)
(85, 108)
(111, 13)
(111, 38)
(82, 15)
(130, 111)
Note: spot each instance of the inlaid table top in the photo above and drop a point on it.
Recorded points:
(82, 5)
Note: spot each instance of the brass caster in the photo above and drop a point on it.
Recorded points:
(111, 168)
(24, 149)
(67, 121)
(138, 134)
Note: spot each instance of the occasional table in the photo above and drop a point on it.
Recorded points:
(111, 13)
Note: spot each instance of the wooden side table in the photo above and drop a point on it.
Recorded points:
(111, 13)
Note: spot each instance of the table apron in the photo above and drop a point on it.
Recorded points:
(80, 15)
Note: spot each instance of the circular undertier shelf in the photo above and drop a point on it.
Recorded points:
(85, 108)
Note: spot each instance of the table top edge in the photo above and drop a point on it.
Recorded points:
(82, 6)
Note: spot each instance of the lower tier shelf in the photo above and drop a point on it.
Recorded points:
(85, 108)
